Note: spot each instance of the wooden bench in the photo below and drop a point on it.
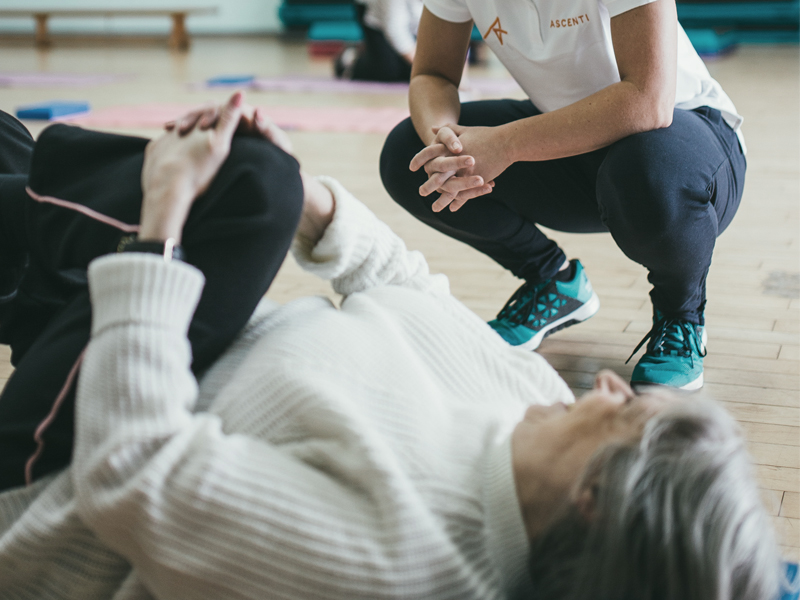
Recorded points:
(178, 39)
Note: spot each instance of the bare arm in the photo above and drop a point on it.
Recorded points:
(645, 44)
(438, 64)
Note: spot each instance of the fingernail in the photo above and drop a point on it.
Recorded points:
(470, 162)
(457, 146)
(236, 100)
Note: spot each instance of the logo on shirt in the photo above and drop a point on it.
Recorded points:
(497, 29)
(574, 21)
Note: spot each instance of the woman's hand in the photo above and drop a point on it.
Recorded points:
(462, 163)
(178, 168)
(251, 122)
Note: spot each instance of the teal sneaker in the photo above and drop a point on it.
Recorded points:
(674, 355)
(538, 309)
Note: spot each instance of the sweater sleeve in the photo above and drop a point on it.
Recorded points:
(203, 514)
(358, 251)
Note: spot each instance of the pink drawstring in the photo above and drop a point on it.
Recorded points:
(84, 210)
(92, 214)
(37, 436)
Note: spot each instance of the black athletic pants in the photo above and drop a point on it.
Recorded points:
(237, 234)
(378, 60)
(664, 196)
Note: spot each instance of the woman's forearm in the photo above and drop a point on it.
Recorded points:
(613, 113)
(433, 102)
(318, 208)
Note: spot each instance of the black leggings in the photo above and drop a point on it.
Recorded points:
(237, 234)
(664, 196)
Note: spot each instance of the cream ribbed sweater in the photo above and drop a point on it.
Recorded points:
(360, 452)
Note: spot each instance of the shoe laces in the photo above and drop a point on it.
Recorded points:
(671, 337)
(521, 305)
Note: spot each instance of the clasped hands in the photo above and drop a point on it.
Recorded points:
(462, 163)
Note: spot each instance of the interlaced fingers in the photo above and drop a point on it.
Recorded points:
(519, 307)
(668, 336)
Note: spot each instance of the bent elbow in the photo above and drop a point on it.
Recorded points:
(660, 108)
(664, 116)
(655, 116)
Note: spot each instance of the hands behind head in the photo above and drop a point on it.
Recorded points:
(182, 163)
(462, 163)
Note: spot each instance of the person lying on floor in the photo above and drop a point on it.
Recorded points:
(394, 447)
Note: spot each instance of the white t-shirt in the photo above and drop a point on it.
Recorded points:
(560, 51)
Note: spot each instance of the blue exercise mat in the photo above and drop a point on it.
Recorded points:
(46, 111)
(224, 80)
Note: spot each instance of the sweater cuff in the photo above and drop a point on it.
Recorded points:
(143, 288)
(347, 240)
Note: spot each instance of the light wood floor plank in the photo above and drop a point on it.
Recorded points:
(788, 531)
(790, 507)
(770, 433)
(776, 455)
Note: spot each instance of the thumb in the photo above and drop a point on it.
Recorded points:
(230, 117)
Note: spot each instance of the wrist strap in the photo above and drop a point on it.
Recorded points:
(169, 248)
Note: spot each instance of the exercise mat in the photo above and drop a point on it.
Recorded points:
(329, 85)
(322, 119)
(21, 80)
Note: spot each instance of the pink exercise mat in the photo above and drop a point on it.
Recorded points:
(38, 79)
(327, 85)
(332, 119)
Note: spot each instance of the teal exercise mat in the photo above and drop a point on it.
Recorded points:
(302, 15)
(710, 42)
(344, 31)
(721, 14)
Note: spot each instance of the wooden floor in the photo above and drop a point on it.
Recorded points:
(753, 288)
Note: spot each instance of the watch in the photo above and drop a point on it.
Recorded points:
(169, 248)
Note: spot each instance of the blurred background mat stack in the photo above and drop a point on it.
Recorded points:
(718, 26)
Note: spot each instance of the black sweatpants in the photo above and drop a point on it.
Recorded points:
(84, 194)
(664, 196)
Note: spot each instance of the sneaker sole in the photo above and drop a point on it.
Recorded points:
(586, 311)
(692, 386)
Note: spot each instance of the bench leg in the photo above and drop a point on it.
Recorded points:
(42, 36)
(179, 38)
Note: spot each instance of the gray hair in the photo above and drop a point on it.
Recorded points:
(677, 516)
